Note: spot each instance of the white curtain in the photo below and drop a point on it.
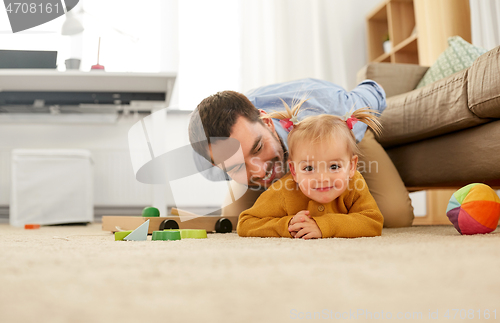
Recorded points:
(242, 44)
(485, 23)
(283, 40)
(206, 37)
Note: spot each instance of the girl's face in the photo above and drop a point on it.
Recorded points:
(323, 170)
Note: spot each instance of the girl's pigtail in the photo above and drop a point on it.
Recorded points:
(288, 113)
(370, 118)
(288, 118)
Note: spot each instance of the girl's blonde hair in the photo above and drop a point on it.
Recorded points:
(314, 129)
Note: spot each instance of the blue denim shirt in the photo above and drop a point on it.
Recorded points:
(324, 98)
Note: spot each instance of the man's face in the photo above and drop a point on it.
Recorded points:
(263, 158)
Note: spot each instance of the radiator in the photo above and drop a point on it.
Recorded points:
(114, 180)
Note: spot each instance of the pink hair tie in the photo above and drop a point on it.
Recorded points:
(289, 123)
(351, 121)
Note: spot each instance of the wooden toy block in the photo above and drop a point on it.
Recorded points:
(120, 235)
(210, 223)
(150, 212)
(168, 235)
(191, 233)
(139, 234)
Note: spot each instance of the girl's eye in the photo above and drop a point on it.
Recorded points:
(334, 167)
(260, 147)
(308, 169)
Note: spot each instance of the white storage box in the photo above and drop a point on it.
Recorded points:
(51, 187)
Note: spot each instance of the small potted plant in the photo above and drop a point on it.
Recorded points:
(387, 43)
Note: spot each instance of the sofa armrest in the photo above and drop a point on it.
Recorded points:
(394, 78)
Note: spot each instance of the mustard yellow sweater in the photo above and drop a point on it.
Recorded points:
(353, 214)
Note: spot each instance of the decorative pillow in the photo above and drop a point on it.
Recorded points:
(458, 56)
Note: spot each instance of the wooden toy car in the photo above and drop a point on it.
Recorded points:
(210, 223)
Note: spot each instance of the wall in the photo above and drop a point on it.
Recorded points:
(114, 180)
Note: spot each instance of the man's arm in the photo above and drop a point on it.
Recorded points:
(366, 94)
(372, 94)
(246, 201)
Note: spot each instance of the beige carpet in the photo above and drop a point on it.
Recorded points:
(80, 274)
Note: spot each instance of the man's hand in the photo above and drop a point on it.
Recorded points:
(303, 226)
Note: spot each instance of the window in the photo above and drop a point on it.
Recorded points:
(199, 39)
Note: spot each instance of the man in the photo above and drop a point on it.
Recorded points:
(233, 115)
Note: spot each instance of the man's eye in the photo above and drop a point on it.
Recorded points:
(308, 169)
(236, 169)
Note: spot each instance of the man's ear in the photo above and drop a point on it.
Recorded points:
(353, 166)
(291, 166)
(267, 121)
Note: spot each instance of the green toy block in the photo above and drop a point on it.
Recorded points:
(150, 212)
(191, 233)
(166, 235)
(120, 235)
(158, 235)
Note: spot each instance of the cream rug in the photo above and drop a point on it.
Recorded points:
(80, 274)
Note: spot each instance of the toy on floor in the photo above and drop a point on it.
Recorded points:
(191, 233)
(166, 235)
(120, 235)
(474, 209)
(150, 212)
(31, 226)
(141, 234)
(209, 223)
(179, 234)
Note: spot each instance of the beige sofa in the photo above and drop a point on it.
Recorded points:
(446, 134)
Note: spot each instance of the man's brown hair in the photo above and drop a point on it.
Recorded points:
(215, 116)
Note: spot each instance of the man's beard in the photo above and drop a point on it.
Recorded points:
(281, 168)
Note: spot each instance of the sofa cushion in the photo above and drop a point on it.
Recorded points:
(454, 159)
(484, 85)
(395, 78)
(433, 110)
(458, 56)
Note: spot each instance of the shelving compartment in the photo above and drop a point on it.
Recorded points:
(402, 20)
(396, 19)
(378, 28)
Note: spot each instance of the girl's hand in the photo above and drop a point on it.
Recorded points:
(302, 216)
(305, 230)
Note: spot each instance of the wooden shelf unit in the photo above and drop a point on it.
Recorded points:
(417, 29)
(395, 18)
